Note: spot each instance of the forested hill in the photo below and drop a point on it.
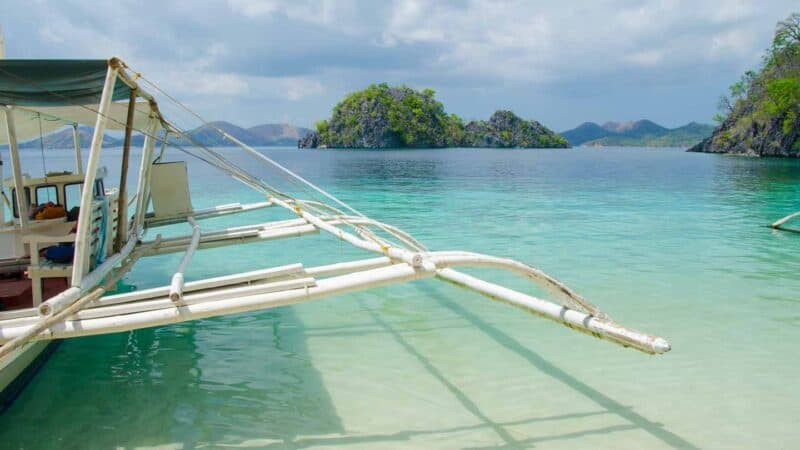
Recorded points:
(382, 117)
(640, 133)
(761, 115)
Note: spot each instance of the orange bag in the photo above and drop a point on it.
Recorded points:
(51, 212)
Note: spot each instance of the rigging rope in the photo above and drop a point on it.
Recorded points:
(223, 163)
(272, 162)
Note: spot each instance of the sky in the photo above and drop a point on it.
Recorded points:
(559, 62)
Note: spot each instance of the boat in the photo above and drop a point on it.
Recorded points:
(780, 224)
(105, 232)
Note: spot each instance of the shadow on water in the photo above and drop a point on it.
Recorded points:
(181, 386)
(607, 405)
(636, 420)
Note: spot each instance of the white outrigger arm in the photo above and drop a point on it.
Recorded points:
(780, 224)
(286, 285)
(397, 257)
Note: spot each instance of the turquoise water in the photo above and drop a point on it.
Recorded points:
(664, 241)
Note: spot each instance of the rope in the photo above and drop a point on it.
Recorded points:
(270, 161)
(224, 164)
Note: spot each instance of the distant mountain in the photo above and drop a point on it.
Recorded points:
(585, 132)
(278, 133)
(257, 136)
(209, 137)
(63, 139)
(642, 127)
(641, 133)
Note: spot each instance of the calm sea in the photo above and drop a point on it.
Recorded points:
(664, 241)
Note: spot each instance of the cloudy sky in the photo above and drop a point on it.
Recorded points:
(560, 62)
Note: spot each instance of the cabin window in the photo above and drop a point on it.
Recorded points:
(72, 195)
(14, 200)
(46, 193)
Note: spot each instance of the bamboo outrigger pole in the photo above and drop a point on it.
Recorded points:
(778, 225)
(141, 314)
(46, 322)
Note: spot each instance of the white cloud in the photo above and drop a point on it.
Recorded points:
(728, 11)
(733, 43)
(220, 84)
(51, 35)
(645, 57)
(340, 13)
(540, 41)
(295, 88)
(255, 8)
(509, 50)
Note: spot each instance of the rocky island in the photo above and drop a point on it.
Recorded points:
(383, 116)
(761, 116)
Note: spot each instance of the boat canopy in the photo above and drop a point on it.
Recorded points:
(55, 82)
(28, 120)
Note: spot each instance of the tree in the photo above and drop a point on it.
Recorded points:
(786, 43)
(787, 32)
(738, 91)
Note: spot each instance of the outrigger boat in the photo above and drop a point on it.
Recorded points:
(47, 300)
(781, 223)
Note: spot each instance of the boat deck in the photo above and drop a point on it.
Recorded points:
(16, 291)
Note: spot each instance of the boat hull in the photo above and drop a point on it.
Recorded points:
(19, 367)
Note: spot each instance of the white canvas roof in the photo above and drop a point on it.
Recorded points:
(28, 119)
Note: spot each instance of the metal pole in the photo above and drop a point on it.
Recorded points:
(163, 145)
(16, 169)
(76, 138)
(122, 209)
(82, 239)
(142, 195)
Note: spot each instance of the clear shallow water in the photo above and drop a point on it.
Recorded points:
(664, 241)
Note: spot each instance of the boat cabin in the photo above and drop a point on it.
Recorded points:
(62, 189)
(39, 219)
(36, 260)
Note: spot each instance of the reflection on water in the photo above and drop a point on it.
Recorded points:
(165, 391)
(665, 241)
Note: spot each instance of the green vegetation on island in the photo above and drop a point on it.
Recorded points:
(383, 116)
(641, 133)
(761, 116)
